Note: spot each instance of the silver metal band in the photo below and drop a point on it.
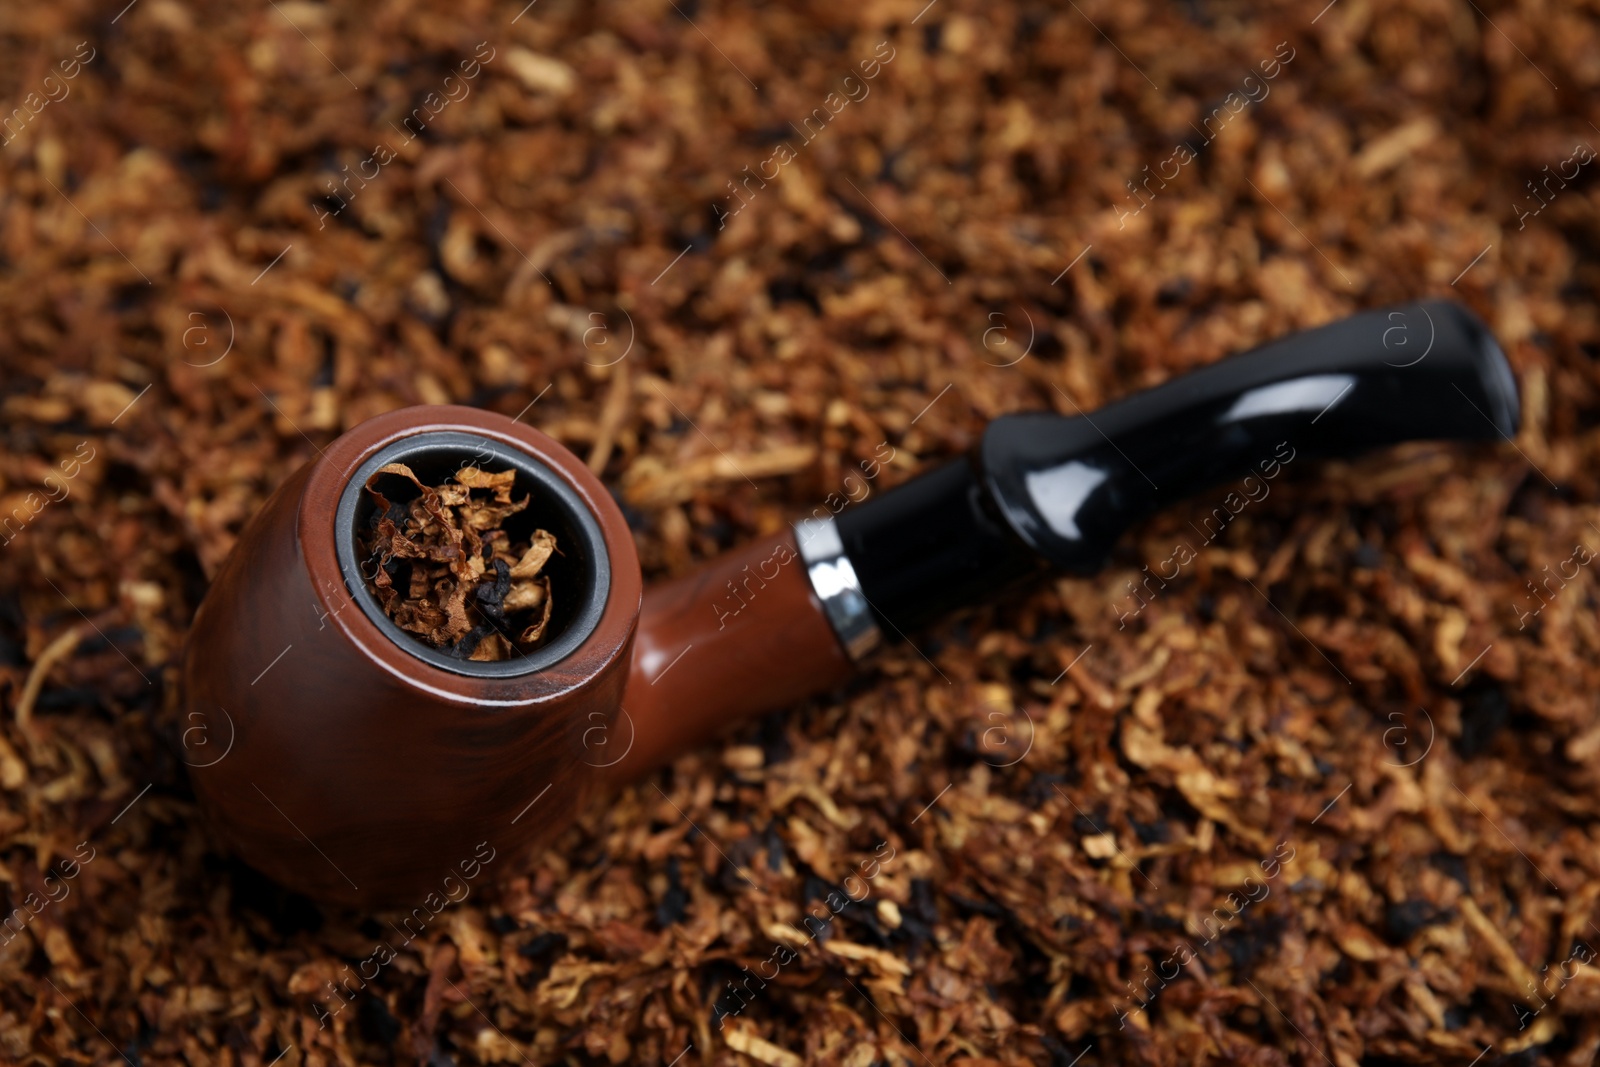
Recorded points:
(834, 580)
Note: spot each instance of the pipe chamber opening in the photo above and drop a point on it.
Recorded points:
(579, 571)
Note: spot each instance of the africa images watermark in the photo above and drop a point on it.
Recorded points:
(1230, 508)
(1581, 555)
(810, 128)
(384, 953)
(33, 904)
(1183, 154)
(1155, 981)
(1581, 155)
(12, 525)
(816, 926)
(339, 190)
(1581, 954)
(783, 554)
(55, 89)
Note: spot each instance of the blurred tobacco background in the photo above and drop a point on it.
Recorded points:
(228, 232)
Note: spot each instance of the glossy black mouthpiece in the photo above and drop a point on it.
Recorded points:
(1052, 491)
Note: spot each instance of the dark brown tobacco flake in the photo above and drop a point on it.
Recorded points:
(445, 570)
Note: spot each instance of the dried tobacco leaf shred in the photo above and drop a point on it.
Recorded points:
(448, 572)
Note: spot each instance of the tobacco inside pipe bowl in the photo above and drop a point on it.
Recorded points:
(349, 758)
(579, 573)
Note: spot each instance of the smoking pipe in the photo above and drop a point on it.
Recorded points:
(348, 760)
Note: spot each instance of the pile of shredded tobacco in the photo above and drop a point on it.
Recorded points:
(443, 568)
(1331, 798)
